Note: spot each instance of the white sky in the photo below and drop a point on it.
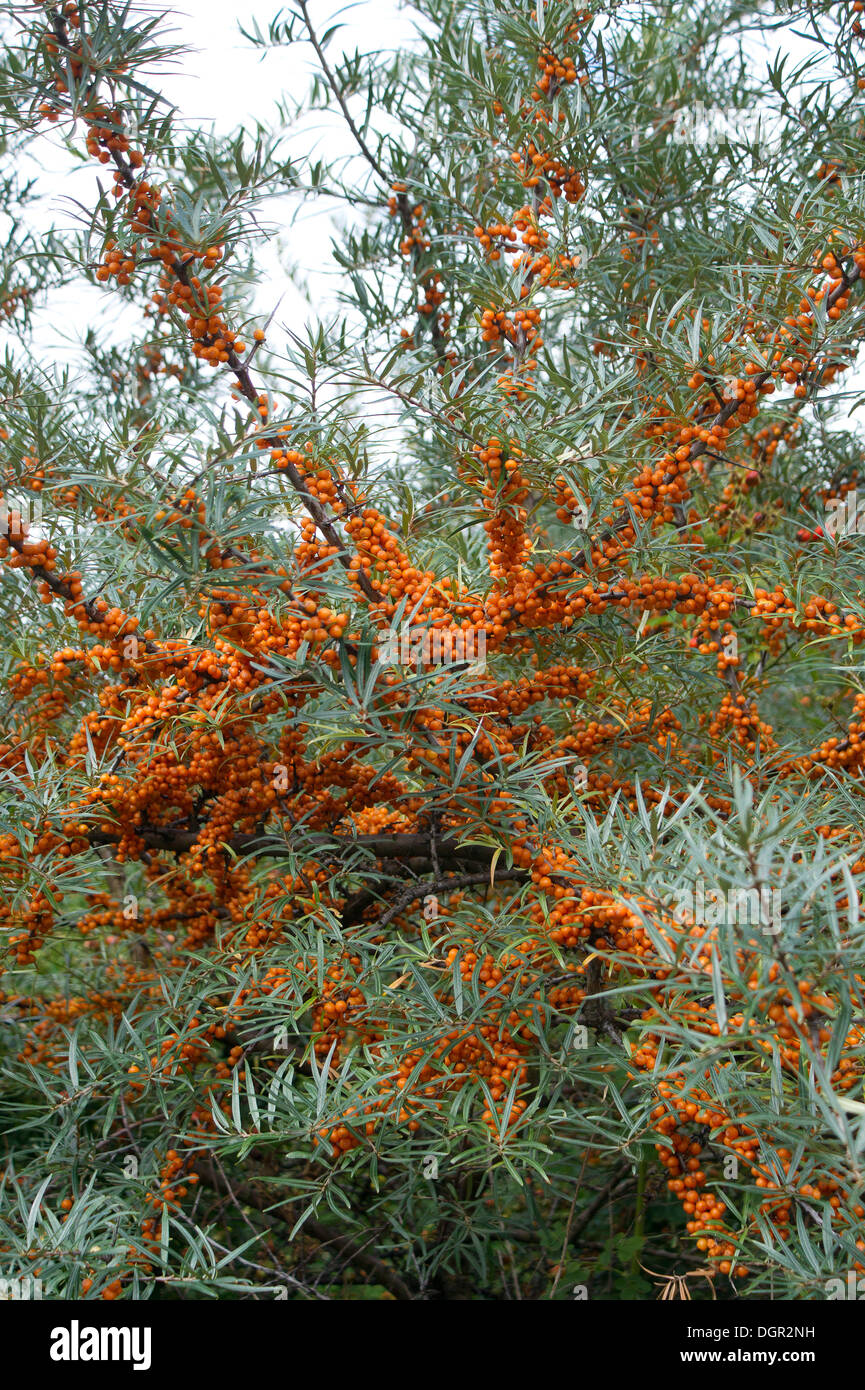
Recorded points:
(221, 83)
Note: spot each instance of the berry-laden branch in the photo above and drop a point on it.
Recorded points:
(512, 853)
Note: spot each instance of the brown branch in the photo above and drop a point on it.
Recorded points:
(448, 885)
(353, 1251)
(616, 1187)
(401, 847)
(334, 87)
(324, 523)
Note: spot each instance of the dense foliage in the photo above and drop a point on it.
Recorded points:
(432, 741)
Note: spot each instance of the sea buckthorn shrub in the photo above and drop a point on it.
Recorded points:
(432, 735)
